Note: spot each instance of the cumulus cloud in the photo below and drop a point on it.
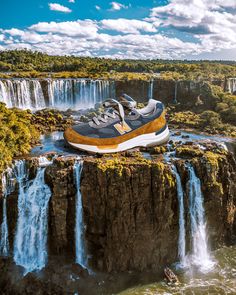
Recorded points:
(204, 28)
(14, 32)
(97, 7)
(117, 6)
(58, 38)
(59, 7)
(72, 1)
(79, 28)
(128, 26)
(211, 22)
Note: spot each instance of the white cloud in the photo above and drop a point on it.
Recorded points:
(117, 6)
(209, 27)
(14, 32)
(128, 26)
(211, 22)
(59, 7)
(71, 1)
(59, 39)
(97, 7)
(79, 28)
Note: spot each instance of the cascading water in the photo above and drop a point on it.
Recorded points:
(7, 188)
(61, 94)
(176, 90)
(30, 244)
(231, 85)
(200, 255)
(22, 93)
(150, 90)
(182, 231)
(80, 253)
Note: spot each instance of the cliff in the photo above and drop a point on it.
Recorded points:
(130, 206)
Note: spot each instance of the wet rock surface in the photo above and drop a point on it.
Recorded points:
(131, 212)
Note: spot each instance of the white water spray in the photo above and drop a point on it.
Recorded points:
(30, 245)
(182, 231)
(150, 90)
(200, 255)
(80, 253)
(61, 94)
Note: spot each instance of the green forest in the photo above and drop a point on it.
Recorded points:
(25, 63)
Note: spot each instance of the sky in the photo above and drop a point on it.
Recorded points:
(142, 29)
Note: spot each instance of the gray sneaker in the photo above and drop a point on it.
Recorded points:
(121, 127)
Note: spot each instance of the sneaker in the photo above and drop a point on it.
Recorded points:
(121, 127)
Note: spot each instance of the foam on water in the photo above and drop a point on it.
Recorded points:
(30, 244)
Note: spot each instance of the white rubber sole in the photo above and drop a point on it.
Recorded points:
(144, 140)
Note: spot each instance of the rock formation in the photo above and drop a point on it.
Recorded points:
(131, 208)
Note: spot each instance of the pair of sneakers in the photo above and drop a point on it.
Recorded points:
(121, 127)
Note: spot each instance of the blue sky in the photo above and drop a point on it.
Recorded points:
(25, 13)
(192, 29)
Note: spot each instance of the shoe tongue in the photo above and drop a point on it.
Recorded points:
(127, 101)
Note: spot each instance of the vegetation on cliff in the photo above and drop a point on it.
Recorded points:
(16, 134)
(208, 121)
(220, 118)
(34, 63)
(19, 130)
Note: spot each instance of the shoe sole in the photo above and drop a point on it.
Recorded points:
(144, 140)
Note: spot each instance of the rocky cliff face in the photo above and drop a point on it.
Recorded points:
(130, 214)
(131, 208)
(191, 95)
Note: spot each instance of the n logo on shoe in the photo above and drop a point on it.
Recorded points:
(122, 128)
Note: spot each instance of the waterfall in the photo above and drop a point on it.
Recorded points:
(7, 188)
(176, 89)
(231, 85)
(3, 93)
(22, 93)
(200, 255)
(182, 231)
(80, 253)
(78, 93)
(55, 93)
(30, 244)
(150, 90)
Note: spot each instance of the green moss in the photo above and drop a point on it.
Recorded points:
(50, 120)
(189, 151)
(171, 180)
(158, 150)
(214, 158)
(118, 162)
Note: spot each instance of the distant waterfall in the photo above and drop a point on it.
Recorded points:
(182, 231)
(61, 94)
(22, 93)
(80, 253)
(231, 85)
(176, 91)
(200, 255)
(30, 245)
(7, 188)
(150, 90)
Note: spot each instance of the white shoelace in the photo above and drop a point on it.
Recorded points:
(104, 117)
